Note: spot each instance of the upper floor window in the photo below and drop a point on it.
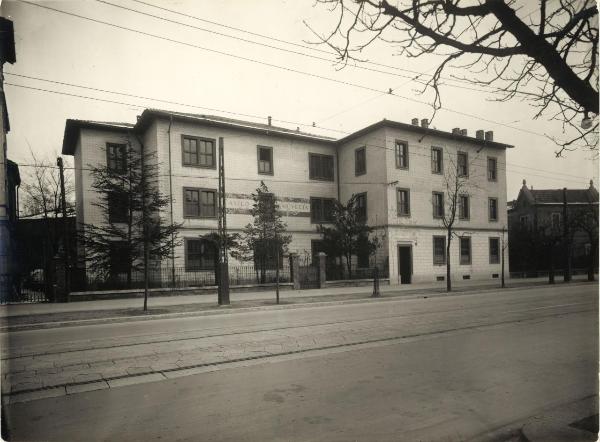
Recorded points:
(437, 160)
(462, 164)
(439, 250)
(403, 202)
(360, 161)
(492, 169)
(199, 203)
(116, 157)
(463, 207)
(361, 206)
(524, 222)
(465, 250)
(199, 255)
(493, 209)
(494, 250)
(401, 155)
(265, 160)
(321, 210)
(320, 167)
(198, 152)
(438, 204)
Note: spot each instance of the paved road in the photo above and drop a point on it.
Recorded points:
(447, 368)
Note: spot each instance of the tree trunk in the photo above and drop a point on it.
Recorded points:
(448, 280)
(551, 270)
(349, 265)
(592, 259)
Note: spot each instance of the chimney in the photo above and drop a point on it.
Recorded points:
(463, 132)
(415, 121)
(591, 184)
(479, 134)
(456, 131)
(269, 118)
(425, 123)
(297, 128)
(489, 135)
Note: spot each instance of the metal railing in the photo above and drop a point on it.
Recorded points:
(335, 272)
(174, 277)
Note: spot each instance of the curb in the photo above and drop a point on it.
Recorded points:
(232, 309)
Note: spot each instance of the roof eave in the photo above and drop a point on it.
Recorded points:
(72, 128)
(145, 119)
(422, 130)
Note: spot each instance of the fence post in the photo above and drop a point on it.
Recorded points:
(322, 269)
(295, 270)
(60, 275)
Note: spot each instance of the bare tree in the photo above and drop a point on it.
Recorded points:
(41, 188)
(585, 219)
(547, 56)
(459, 180)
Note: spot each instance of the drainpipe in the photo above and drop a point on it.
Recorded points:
(171, 203)
(337, 166)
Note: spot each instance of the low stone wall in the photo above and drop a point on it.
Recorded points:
(186, 291)
(354, 283)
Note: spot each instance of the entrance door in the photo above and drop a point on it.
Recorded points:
(405, 264)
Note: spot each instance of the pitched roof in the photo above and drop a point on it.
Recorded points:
(214, 120)
(72, 128)
(555, 196)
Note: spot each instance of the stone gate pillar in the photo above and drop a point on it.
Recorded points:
(322, 269)
(295, 270)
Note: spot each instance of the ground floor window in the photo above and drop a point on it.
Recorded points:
(465, 250)
(199, 255)
(494, 250)
(439, 250)
(118, 257)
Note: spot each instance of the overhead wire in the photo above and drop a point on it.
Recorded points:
(285, 68)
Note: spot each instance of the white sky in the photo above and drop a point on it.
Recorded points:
(63, 48)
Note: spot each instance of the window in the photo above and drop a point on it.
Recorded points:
(438, 204)
(118, 257)
(494, 250)
(462, 164)
(403, 202)
(361, 206)
(439, 250)
(401, 155)
(320, 167)
(116, 157)
(437, 160)
(199, 203)
(360, 161)
(199, 255)
(117, 207)
(493, 209)
(556, 221)
(465, 250)
(265, 160)
(463, 207)
(492, 169)
(321, 210)
(524, 222)
(198, 152)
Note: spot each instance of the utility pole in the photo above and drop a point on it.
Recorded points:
(67, 251)
(145, 231)
(503, 247)
(223, 289)
(566, 239)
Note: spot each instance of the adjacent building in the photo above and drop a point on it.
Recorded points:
(537, 217)
(398, 170)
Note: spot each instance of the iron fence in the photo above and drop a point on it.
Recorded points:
(174, 277)
(337, 272)
(15, 290)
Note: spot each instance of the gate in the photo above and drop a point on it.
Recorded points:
(308, 277)
(12, 290)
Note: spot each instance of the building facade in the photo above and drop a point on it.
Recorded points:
(398, 170)
(537, 217)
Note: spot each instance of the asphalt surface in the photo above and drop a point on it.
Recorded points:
(445, 368)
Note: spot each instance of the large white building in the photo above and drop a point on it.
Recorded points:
(398, 169)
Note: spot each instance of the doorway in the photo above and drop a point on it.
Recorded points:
(405, 264)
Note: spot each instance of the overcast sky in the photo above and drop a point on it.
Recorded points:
(62, 48)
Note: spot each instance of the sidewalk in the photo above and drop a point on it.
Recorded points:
(116, 310)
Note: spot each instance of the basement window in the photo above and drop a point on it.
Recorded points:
(466, 276)
(440, 278)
